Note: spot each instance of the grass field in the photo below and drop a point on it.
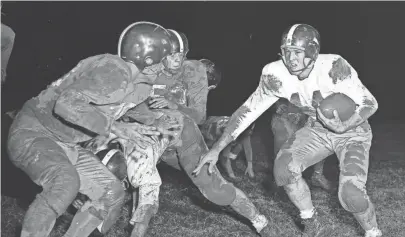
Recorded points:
(183, 211)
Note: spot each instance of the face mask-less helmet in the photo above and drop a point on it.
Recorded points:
(303, 37)
(144, 44)
(179, 42)
(213, 74)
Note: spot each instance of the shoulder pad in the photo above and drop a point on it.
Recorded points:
(339, 69)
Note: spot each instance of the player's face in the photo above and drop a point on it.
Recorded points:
(174, 61)
(295, 60)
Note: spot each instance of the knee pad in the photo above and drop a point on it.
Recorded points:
(353, 199)
(213, 186)
(115, 195)
(62, 190)
(220, 194)
(281, 170)
(113, 202)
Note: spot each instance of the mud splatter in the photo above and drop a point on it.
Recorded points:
(272, 83)
(237, 118)
(340, 70)
(316, 98)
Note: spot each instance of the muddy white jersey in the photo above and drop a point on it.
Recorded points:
(331, 74)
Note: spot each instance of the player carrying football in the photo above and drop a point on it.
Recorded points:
(304, 78)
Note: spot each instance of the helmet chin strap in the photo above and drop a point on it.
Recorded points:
(299, 70)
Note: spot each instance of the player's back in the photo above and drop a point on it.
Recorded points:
(42, 106)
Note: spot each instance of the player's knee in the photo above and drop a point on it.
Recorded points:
(110, 201)
(114, 200)
(216, 189)
(223, 196)
(353, 198)
(63, 188)
(284, 170)
(115, 194)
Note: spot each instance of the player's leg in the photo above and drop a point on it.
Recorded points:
(318, 178)
(213, 186)
(354, 160)
(247, 147)
(105, 192)
(226, 157)
(304, 148)
(46, 163)
(284, 124)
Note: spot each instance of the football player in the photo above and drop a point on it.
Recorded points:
(179, 96)
(305, 77)
(84, 103)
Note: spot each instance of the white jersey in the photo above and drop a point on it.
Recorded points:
(330, 74)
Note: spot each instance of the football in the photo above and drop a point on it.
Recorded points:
(340, 102)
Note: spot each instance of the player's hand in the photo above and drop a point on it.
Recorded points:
(96, 143)
(171, 129)
(211, 158)
(77, 203)
(162, 102)
(334, 124)
(135, 132)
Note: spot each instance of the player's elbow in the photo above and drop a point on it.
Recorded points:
(375, 106)
(199, 118)
(64, 105)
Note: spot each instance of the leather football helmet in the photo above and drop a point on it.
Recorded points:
(179, 42)
(304, 37)
(144, 44)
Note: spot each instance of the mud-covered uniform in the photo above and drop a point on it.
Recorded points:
(7, 43)
(44, 135)
(189, 90)
(311, 144)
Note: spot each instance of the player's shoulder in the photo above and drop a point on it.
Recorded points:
(273, 75)
(194, 70)
(196, 65)
(105, 65)
(109, 61)
(332, 61)
(274, 68)
(337, 67)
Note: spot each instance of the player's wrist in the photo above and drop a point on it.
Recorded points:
(222, 143)
(354, 121)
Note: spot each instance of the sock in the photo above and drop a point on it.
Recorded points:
(306, 214)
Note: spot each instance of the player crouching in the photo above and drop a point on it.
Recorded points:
(305, 78)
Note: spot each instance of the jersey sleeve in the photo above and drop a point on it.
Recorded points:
(261, 99)
(346, 81)
(101, 83)
(197, 94)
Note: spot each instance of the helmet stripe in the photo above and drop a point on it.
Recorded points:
(108, 156)
(128, 28)
(180, 40)
(290, 34)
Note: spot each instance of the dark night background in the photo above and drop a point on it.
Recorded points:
(240, 37)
